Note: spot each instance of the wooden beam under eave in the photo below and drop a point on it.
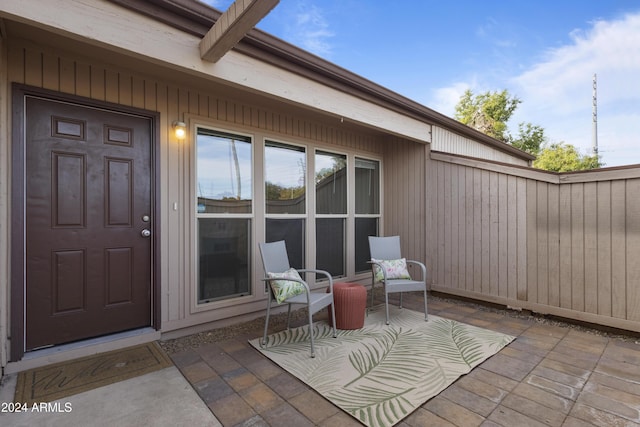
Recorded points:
(232, 25)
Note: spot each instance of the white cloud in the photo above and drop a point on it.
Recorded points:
(311, 30)
(557, 92)
(610, 49)
(499, 34)
(446, 98)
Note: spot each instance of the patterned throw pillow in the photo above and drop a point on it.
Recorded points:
(283, 289)
(395, 268)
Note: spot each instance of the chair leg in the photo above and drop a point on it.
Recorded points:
(266, 324)
(400, 299)
(425, 305)
(386, 304)
(289, 317)
(333, 320)
(372, 289)
(313, 353)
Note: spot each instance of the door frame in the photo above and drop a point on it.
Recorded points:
(18, 200)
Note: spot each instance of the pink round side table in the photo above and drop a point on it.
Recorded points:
(350, 301)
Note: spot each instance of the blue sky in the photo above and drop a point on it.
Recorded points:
(543, 52)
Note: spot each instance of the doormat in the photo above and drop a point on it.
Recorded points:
(54, 382)
(382, 373)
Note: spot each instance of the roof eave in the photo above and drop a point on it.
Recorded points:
(197, 18)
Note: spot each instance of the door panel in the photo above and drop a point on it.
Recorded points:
(88, 186)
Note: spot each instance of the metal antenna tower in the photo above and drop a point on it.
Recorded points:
(594, 126)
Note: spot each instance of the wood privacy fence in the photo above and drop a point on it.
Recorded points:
(561, 244)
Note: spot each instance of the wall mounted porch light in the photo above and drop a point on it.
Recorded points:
(179, 129)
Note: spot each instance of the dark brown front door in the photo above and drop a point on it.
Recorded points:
(88, 202)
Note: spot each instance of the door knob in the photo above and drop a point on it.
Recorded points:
(145, 233)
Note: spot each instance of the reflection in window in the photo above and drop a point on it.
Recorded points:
(367, 186)
(331, 183)
(223, 190)
(331, 204)
(285, 185)
(367, 199)
(223, 163)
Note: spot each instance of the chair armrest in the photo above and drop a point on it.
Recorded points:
(423, 268)
(321, 272)
(384, 271)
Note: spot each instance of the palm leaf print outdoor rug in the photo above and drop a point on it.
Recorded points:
(381, 373)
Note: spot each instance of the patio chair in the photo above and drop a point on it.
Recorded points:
(389, 268)
(287, 287)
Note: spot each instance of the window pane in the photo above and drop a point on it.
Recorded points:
(223, 249)
(331, 183)
(292, 232)
(223, 163)
(330, 246)
(367, 187)
(285, 170)
(365, 227)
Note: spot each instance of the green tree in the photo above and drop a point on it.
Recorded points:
(272, 191)
(530, 138)
(278, 192)
(338, 164)
(487, 112)
(561, 157)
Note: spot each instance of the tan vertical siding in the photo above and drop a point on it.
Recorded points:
(469, 228)
(462, 227)
(542, 232)
(566, 248)
(618, 248)
(441, 227)
(532, 241)
(405, 196)
(577, 247)
(494, 197)
(521, 218)
(446, 225)
(603, 250)
(503, 237)
(590, 248)
(4, 208)
(553, 253)
(633, 250)
(431, 176)
(172, 101)
(453, 226)
(477, 230)
(511, 228)
(485, 232)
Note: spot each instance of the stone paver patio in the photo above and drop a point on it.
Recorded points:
(551, 375)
